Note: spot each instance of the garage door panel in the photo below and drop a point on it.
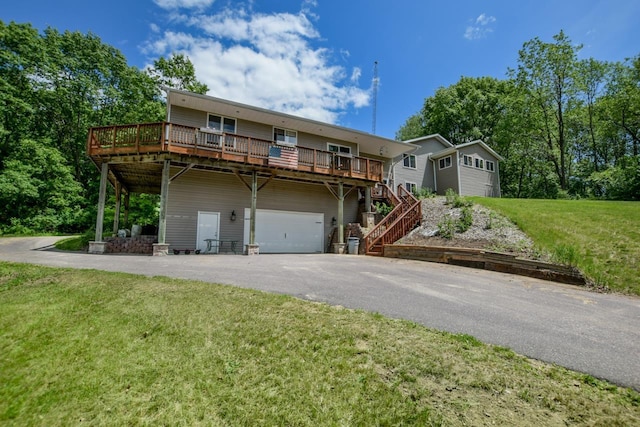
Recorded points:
(287, 232)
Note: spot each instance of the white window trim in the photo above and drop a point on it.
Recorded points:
(409, 183)
(493, 165)
(289, 144)
(471, 161)
(235, 123)
(349, 154)
(478, 163)
(444, 159)
(410, 156)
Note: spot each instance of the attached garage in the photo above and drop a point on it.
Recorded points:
(286, 231)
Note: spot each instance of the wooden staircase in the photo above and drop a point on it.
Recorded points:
(405, 216)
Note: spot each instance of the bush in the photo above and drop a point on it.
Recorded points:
(383, 209)
(456, 200)
(447, 227)
(465, 221)
(424, 193)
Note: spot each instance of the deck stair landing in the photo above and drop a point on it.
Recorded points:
(405, 216)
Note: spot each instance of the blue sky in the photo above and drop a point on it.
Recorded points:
(315, 58)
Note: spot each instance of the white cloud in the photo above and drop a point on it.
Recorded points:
(267, 60)
(183, 4)
(481, 28)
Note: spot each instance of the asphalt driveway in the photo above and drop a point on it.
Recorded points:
(598, 334)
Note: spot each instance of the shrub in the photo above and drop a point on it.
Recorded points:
(450, 196)
(383, 209)
(424, 193)
(447, 227)
(465, 221)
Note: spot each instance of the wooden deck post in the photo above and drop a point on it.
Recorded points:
(126, 209)
(98, 246)
(253, 248)
(116, 215)
(340, 212)
(164, 193)
(104, 175)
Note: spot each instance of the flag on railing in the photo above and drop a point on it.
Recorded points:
(285, 157)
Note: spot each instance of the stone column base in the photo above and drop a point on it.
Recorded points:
(160, 249)
(97, 247)
(252, 249)
(368, 219)
(339, 248)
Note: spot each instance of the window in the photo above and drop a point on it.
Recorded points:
(491, 167)
(285, 136)
(412, 187)
(340, 149)
(445, 162)
(479, 163)
(409, 161)
(221, 124)
(467, 160)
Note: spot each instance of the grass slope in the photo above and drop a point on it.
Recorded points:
(601, 238)
(81, 346)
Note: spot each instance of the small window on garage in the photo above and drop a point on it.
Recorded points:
(445, 162)
(491, 167)
(467, 160)
(479, 163)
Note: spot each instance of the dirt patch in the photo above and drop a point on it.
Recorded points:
(489, 230)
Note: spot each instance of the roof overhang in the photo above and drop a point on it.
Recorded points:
(454, 148)
(368, 143)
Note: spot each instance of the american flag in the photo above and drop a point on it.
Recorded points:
(285, 157)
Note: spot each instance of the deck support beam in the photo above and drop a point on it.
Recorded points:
(116, 216)
(98, 246)
(253, 248)
(162, 248)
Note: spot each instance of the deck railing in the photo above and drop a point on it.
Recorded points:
(405, 216)
(149, 138)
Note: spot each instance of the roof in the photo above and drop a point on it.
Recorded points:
(455, 148)
(435, 136)
(368, 143)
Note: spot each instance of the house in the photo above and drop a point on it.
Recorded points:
(235, 177)
(470, 169)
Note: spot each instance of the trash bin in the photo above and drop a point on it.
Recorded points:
(354, 245)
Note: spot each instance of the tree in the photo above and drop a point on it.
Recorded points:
(546, 73)
(177, 72)
(38, 191)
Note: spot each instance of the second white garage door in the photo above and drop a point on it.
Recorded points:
(286, 231)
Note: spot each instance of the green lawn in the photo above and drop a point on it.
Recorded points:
(602, 238)
(97, 348)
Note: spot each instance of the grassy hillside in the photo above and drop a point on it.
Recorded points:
(601, 238)
(80, 346)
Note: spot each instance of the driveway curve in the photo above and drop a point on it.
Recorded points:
(598, 334)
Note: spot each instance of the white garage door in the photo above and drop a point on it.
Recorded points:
(286, 232)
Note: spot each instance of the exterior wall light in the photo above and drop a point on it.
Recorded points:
(233, 215)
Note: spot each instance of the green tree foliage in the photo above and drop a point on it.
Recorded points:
(37, 190)
(53, 87)
(564, 126)
(177, 72)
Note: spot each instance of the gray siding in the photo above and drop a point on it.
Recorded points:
(219, 192)
(422, 175)
(448, 177)
(478, 182)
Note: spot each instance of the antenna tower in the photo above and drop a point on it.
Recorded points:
(375, 96)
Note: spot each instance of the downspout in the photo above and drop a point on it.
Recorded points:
(435, 176)
(458, 172)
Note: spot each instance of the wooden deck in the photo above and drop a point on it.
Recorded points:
(164, 137)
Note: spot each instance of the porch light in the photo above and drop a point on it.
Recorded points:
(334, 221)
(233, 215)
